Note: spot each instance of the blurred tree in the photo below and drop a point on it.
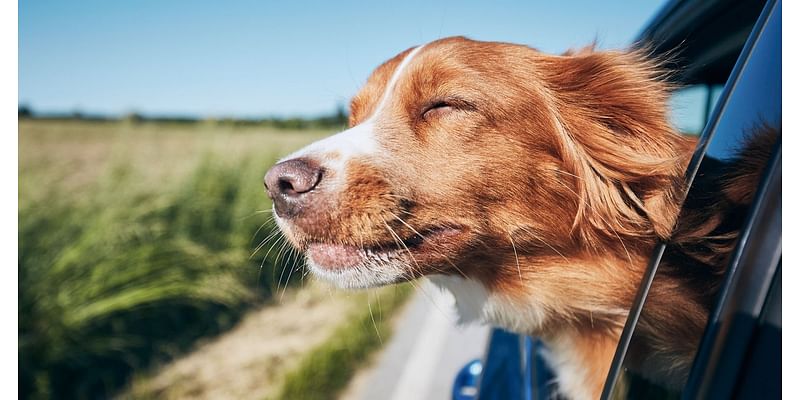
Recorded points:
(24, 111)
(133, 117)
(341, 114)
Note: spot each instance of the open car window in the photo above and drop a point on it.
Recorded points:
(747, 119)
(690, 107)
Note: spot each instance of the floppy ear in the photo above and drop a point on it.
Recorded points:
(615, 136)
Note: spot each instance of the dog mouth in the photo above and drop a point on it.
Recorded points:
(422, 247)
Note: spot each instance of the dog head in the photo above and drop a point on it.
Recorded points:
(492, 161)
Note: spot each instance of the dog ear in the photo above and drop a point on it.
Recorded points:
(614, 134)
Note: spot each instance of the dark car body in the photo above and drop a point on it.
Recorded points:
(730, 51)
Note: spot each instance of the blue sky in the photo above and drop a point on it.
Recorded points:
(259, 58)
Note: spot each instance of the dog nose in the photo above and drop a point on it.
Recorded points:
(288, 183)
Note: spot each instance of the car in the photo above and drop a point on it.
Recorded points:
(727, 58)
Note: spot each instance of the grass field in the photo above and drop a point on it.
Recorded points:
(135, 241)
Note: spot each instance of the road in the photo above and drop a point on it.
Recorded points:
(425, 353)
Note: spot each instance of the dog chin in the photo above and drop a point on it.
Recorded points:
(362, 276)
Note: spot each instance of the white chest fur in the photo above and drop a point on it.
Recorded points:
(474, 303)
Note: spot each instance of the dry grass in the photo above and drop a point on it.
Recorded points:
(251, 360)
(325, 370)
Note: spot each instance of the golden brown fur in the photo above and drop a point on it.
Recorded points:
(554, 177)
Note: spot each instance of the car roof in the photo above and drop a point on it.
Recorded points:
(703, 37)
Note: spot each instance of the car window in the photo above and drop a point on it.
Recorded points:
(690, 107)
(744, 127)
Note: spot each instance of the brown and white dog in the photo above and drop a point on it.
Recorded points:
(532, 186)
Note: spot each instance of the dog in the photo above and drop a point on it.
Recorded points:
(532, 186)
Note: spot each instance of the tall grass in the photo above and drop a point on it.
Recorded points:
(119, 275)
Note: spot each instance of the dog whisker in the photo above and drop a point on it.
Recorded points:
(374, 325)
(539, 238)
(292, 261)
(400, 242)
(276, 231)
(259, 230)
(516, 256)
(281, 250)
(407, 225)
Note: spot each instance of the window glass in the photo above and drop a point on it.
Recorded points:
(688, 109)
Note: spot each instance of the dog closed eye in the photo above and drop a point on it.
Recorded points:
(436, 109)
